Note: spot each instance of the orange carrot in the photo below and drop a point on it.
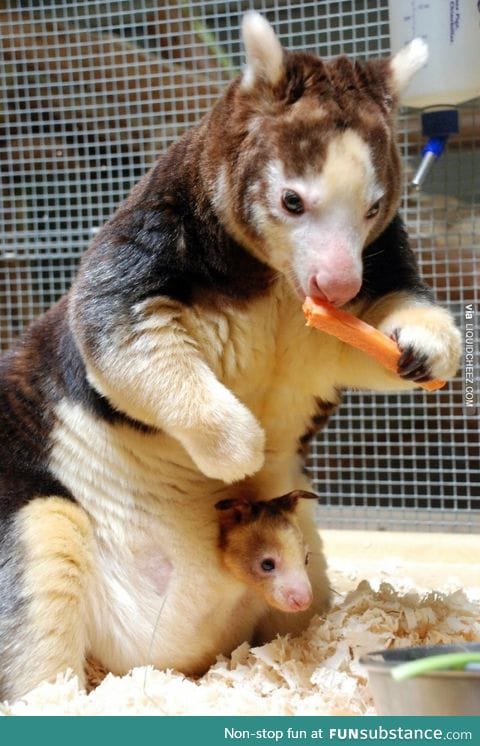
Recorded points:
(357, 333)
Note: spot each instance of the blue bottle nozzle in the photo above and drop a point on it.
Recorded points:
(437, 126)
(430, 152)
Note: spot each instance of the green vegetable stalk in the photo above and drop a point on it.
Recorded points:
(433, 663)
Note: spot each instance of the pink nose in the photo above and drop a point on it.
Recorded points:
(299, 600)
(337, 290)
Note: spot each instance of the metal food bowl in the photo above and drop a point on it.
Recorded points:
(439, 692)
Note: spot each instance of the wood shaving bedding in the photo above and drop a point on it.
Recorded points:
(317, 673)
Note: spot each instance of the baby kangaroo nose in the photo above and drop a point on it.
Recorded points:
(299, 600)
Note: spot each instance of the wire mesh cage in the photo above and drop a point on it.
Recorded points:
(92, 91)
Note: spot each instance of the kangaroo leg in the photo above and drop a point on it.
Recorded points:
(45, 566)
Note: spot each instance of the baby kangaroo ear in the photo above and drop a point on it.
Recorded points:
(303, 494)
(234, 511)
(406, 63)
(289, 501)
(263, 51)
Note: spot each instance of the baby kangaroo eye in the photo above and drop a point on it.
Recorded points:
(307, 557)
(268, 565)
(292, 202)
(373, 210)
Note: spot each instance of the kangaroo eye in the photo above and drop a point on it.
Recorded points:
(373, 210)
(268, 565)
(307, 557)
(292, 202)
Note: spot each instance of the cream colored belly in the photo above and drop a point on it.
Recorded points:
(181, 619)
(160, 594)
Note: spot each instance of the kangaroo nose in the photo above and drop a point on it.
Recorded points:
(335, 290)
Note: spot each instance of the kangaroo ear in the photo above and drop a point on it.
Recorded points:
(406, 63)
(234, 512)
(263, 51)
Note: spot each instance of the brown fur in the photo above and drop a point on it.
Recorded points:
(313, 101)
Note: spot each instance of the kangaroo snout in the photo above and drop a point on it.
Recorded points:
(333, 271)
(337, 290)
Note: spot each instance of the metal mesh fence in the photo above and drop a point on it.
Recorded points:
(92, 90)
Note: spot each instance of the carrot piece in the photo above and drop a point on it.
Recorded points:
(359, 334)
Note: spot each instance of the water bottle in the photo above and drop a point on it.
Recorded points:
(451, 75)
(451, 29)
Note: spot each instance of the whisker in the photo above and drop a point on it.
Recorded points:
(290, 276)
(150, 648)
(370, 256)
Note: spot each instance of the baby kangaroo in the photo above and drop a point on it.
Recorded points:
(262, 546)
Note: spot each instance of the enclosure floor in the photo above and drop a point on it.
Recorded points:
(424, 560)
(388, 589)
